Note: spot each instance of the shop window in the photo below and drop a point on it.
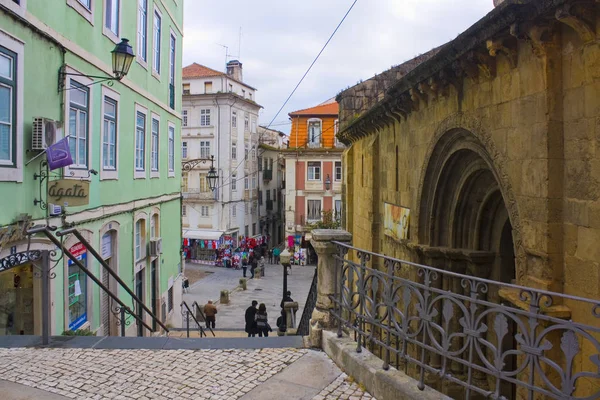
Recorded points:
(77, 288)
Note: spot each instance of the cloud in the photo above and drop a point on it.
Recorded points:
(281, 38)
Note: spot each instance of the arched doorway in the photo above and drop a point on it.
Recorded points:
(465, 227)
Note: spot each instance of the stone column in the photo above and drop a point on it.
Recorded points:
(326, 269)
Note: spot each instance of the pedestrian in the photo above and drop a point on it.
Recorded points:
(253, 264)
(210, 312)
(276, 253)
(287, 298)
(270, 256)
(244, 264)
(262, 321)
(281, 324)
(261, 264)
(250, 318)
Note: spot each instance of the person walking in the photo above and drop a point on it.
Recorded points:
(276, 253)
(262, 321)
(270, 256)
(250, 318)
(244, 264)
(210, 312)
(253, 264)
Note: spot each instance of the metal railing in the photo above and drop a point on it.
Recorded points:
(309, 306)
(187, 313)
(468, 336)
(197, 194)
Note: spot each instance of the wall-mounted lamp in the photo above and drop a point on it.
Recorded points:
(122, 57)
(327, 183)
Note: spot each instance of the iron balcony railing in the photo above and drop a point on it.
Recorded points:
(196, 194)
(466, 336)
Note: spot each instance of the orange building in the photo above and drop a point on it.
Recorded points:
(313, 169)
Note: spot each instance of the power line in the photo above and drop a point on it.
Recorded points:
(313, 63)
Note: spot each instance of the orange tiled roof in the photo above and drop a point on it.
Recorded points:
(322, 109)
(196, 70)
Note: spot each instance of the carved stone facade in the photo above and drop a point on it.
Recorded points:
(492, 144)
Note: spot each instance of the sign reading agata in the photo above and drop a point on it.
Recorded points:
(69, 192)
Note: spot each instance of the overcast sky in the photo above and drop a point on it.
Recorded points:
(280, 38)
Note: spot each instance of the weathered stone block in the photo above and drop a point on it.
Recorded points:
(588, 243)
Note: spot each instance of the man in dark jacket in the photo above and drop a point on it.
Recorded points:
(253, 260)
(287, 298)
(250, 322)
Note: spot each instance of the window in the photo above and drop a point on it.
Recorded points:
(253, 152)
(274, 195)
(8, 107)
(86, 3)
(271, 164)
(268, 196)
(186, 88)
(204, 149)
(314, 171)
(184, 116)
(253, 181)
(233, 150)
(171, 150)
(246, 183)
(253, 125)
(260, 197)
(77, 282)
(157, 36)
(184, 182)
(112, 17)
(203, 184)
(154, 145)
(109, 135)
(246, 231)
(338, 210)
(246, 122)
(172, 49)
(233, 210)
(314, 210)
(234, 119)
(204, 211)
(253, 228)
(155, 226)
(78, 124)
(207, 87)
(266, 163)
(184, 210)
(246, 151)
(338, 170)
(140, 239)
(205, 117)
(140, 141)
(142, 39)
(314, 132)
(184, 150)
(234, 182)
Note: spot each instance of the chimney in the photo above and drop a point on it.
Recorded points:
(234, 70)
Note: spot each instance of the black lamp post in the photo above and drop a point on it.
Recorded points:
(284, 259)
(327, 183)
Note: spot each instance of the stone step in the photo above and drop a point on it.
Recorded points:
(154, 343)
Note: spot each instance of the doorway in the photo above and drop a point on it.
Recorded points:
(154, 283)
(17, 301)
(139, 292)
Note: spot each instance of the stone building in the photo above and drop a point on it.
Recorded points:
(489, 146)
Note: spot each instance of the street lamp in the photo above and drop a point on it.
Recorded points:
(284, 259)
(212, 178)
(327, 183)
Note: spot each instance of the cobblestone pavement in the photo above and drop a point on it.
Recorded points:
(151, 374)
(343, 388)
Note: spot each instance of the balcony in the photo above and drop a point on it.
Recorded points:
(196, 194)
(267, 175)
(269, 205)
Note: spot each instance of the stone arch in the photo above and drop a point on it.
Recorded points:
(463, 163)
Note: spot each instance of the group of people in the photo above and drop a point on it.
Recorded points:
(257, 321)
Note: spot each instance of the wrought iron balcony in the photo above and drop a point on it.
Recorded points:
(196, 194)
(457, 332)
(267, 174)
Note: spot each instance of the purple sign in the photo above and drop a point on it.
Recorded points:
(59, 154)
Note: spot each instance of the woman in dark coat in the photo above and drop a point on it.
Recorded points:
(262, 321)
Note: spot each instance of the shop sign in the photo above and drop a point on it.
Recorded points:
(69, 192)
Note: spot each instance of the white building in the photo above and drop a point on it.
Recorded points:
(220, 119)
(271, 180)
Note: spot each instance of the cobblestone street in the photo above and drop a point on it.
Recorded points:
(173, 374)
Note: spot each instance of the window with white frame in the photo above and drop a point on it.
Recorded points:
(172, 50)
(155, 226)
(154, 145)
(314, 210)
(234, 119)
(246, 183)
(234, 182)
(205, 117)
(234, 151)
(314, 132)
(246, 122)
(203, 184)
(253, 153)
(184, 116)
(204, 149)
(184, 148)
(338, 171)
(8, 107)
(157, 36)
(86, 3)
(79, 124)
(171, 149)
(253, 125)
(246, 151)
(142, 32)
(140, 141)
(204, 211)
(184, 210)
(253, 181)
(253, 228)
(314, 171)
(234, 210)
(140, 239)
(109, 135)
(208, 87)
(338, 210)
(112, 16)
(184, 182)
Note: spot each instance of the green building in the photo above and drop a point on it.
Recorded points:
(123, 137)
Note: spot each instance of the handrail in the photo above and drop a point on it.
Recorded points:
(112, 273)
(46, 231)
(195, 320)
(195, 303)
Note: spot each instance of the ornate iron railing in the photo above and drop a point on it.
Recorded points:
(309, 306)
(466, 336)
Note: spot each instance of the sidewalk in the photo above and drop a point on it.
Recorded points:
(268, 290)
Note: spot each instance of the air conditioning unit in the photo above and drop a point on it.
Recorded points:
(45, 132)
(54, 210)
(155, 247)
